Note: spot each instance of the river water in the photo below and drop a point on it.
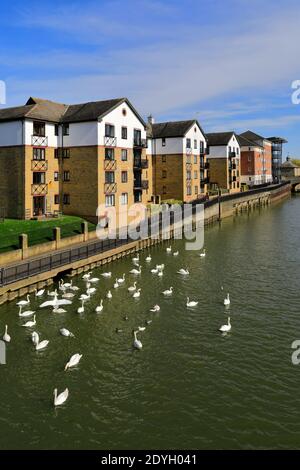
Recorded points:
(189, 387)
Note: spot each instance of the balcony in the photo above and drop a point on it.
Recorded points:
(205, 180)
(188, 150)
(39, 141)
(110, 188)
(140, 163)
(39, 165)
(110, 165)
(39, 189)
(140, 143)
(232, 154)
(110, 141)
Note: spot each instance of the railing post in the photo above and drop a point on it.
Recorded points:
(23, 245)
(85, 231)
(57, 237)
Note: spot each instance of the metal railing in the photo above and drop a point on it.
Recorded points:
(39, 189)
(110, 165)
(110, 188)
(39, 165)
(110, 141)
(142, 143)
(39, 141)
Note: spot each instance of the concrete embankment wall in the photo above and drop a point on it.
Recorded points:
(214, 211)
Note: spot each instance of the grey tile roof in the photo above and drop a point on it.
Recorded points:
(219, 138)
(247, 143)
(253, 136)
(171, 128)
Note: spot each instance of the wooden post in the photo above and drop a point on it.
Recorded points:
(23, 245)
(85, 231)
(56, 236)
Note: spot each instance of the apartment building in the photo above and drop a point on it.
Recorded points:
(72, 158)
(179, 165)
(256, 159)
(224, 161)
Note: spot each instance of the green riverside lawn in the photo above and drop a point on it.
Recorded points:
(37, 231)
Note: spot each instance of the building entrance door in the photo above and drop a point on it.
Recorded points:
(38, 205)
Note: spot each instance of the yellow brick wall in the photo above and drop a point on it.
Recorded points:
(12, 181)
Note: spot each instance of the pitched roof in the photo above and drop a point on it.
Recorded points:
(247, 143)
(171, 128)
(46, 110)
(219, 138)
(252, 136)
(289, 164)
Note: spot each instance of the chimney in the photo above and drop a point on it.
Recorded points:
(151, 119)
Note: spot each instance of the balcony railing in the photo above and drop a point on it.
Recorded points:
(140, 143)
(110, 165)
(140, 163)
(188, 150)
(110, 188)
(39, 165)
(39, 189)
(110, 141)
(39, 141)
(232, 154)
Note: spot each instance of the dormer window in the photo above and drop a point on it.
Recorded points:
(39, 128)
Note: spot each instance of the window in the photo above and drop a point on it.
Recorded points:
(109, 200)
(164, 158)
(56, 176)
(124, 176)
(201, 146)
(124, 155)
(56, 129)
(56, 153)
(163, 141)
(164, 174)
(195, 174)
(39, 128)
(66, 199)
(195, 143)
(109, 130)
(38, 177)
(188, 143)
(66, 176)
(38, 154)
(66, 129)
(56, 199)
(109, 154)
(164, 189)
(196, 189)
(189, 190)
(124, 132)
(124, 199)
(137, 136)
(237, 151)
(188, 159)
(188, 175)
(195, 159)
(109, 177)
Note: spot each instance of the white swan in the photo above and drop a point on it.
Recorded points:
(99, 308)
(91, 290)
(22, 303)
(94, 279)
(81, 309)
(52, 293)
(136, 259)
(31, 323)
(227, 300)
(58, 310)
(148, 259)
(184, 272)
(141, 328)
(67, 285)
(137, 344)
(121, 280)
(28, 313)
(160, 267)
(106, 274)
(136, 271)
(116, 284)
(39, 293)
(6, 336)
(176, 253)
(42, 345)
(68, 295)
(169, 249)
(74, 360)
(65, 332)
(85, 297)
(74, 288)
(61, 285)
(202, 254)
(168, 291)
(132, 288)
(154, 270)
(55, 302)
(137, 294)
(160, 273)
(87, 276)
(61, 398)
(35, 338)
(191, 303)
(156, 308)
(109, 295)
(227, 327)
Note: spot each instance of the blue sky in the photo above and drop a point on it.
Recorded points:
(228, 63)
